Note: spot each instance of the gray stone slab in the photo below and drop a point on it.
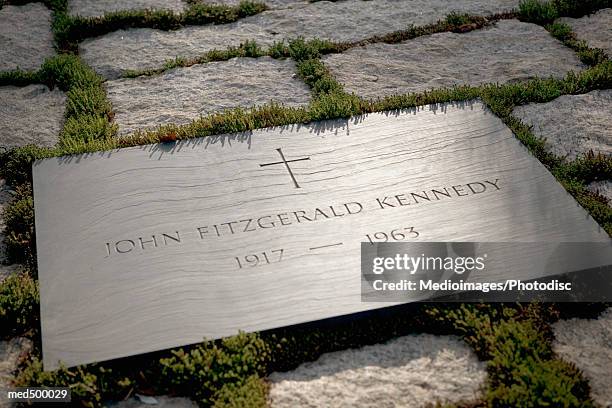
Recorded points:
(595, 29)
(160, 402)
(151, 247)
(184, 94)
(30, 114)
(94, 8)
(572, 124)
(349, 20)
(25, 37)
(271, 4)
(414, 371)
(588, 344)
(496, 54)
(602, 187)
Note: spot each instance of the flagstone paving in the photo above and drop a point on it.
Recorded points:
(160, 402)
(410, 371)
(496, 54)
(25, 37)
(572, 124)
(92, 8)
(588, 344)
(595, 29)
(349, 20)
(183, 94)
(602, 187)
(271, 4)
(30, 114)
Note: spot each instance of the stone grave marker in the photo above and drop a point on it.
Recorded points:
(152, 247)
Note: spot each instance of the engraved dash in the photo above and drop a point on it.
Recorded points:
(326, 246)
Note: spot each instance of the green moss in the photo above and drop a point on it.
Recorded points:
(300, 49)
(588, 56)
(88, 111)
(579, 8)
(538, 12)
(317, 76)
(19, 78)
(516, 344)
(523, 371)
(246, 49)
(16, 164)
(457, 19)
(89, 385)
(203, 372)
(252, 393)
(18, 217)
(545, 12)
(19, 303)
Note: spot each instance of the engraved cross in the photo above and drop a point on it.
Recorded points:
(286, 163)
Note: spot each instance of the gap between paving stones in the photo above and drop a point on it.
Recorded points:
(346, 21)
(460, 23)
(590, 28)
(128, 51)
(137, 103)
(333, 103)
(587, 343)
(497, 53)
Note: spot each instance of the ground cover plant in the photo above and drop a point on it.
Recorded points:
(514, 340)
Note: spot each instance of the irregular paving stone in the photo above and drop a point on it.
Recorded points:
(10, 353)
(495, 54)
(183, 94)
(602, 187)
(595, 29)
(271, 4)
(31, 114)
(25, 37)
(93, 8)
(572, 124)
(349, 20)
(410, 371)
(588, 344)
(161, 402)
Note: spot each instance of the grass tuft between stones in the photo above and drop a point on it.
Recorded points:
(18, 216)
(545, 12)
(516, 343)
(19, 303)
(588, 56)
